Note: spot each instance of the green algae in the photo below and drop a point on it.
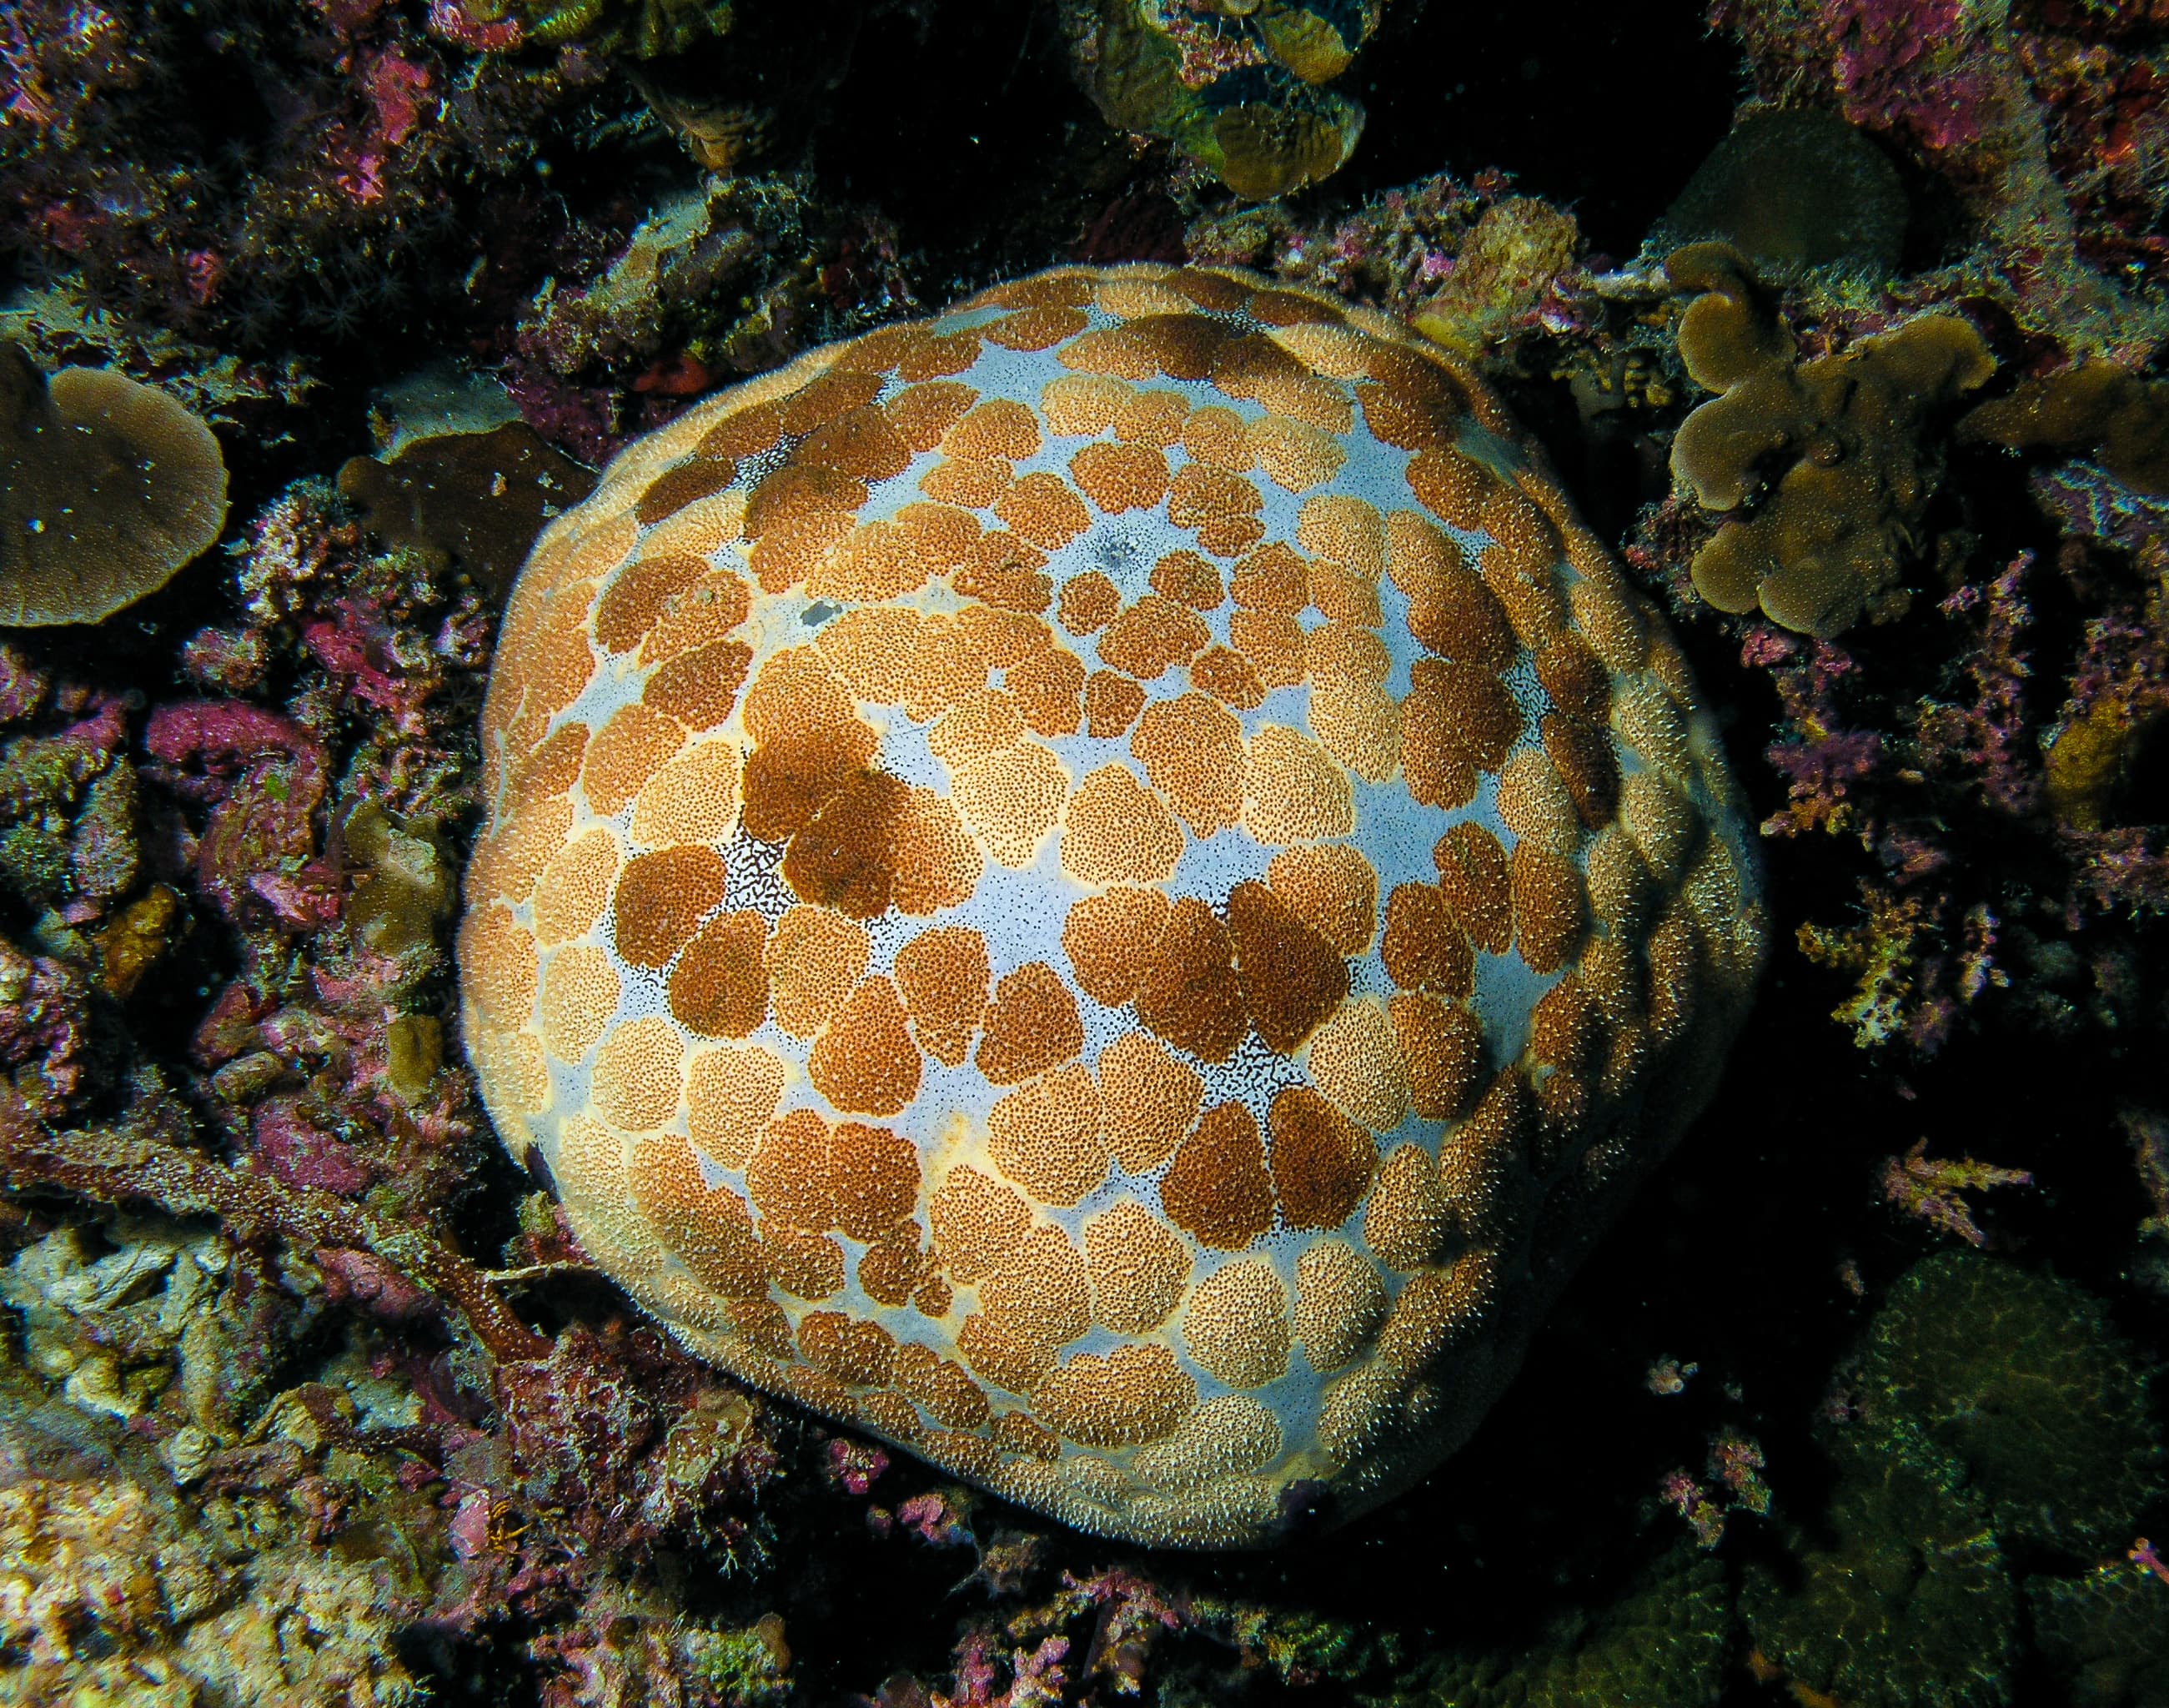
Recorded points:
(67, 820)
(408, 889)
(749, 1668)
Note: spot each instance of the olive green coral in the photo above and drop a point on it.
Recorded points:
(2105, 1635)
(2097, 408)
(1820, 472)
(1660, 1644)
(1796, 188)
(1902, 1600)
(2020, 1379)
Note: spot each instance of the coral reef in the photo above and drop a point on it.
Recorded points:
(1473, 265)
(307, 1394)
(1461, 1071)
(2043, 124)
(1510, 259)
(353, 192)
(722, 280)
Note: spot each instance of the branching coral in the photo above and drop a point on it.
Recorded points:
(121, 1167)
(1821, 471)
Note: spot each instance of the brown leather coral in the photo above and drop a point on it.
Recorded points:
(1822, 470)
(107, 487)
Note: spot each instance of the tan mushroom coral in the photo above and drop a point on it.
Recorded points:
(1822, 470)
(1109, 886)
(107, 488)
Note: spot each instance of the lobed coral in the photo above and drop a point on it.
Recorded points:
(1907, 1597)
(2104, 1633)
(1990, 1418)
(1821, 471)
(2095, 408)
(1659, 1643)
(1329, 912)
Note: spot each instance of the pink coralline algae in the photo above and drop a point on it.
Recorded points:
(264, 779)
(1921, 761)
(935, 1520)
(1985, 733)
(1914, 63)
(854, 1466)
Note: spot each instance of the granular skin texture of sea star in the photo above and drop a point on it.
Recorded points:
(1109, 886)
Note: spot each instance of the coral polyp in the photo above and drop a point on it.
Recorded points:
(1110, 887)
